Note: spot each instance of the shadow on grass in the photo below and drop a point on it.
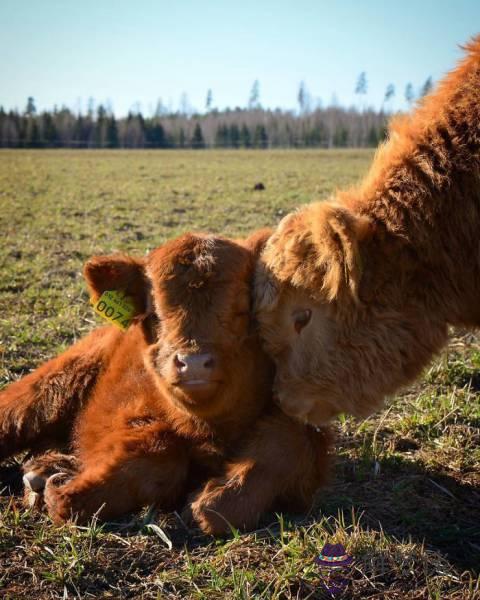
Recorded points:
(11, 478)
(394, 494)
(410, 501)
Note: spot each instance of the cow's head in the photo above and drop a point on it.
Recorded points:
(311, 317)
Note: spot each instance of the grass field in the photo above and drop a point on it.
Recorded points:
(405, 492)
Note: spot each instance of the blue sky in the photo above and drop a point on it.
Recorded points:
(128, 52)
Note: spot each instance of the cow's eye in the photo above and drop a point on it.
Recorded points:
(301, 318)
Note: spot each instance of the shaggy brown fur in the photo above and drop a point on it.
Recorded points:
(384, 268)
(181, 402)
(38, 411)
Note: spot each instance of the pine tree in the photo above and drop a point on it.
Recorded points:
(79, 132)
(134, 136)
(209, 101)
(50, 133)
(315, 137)
(389, 92)
(221, 136)
(340, 137)
(260, 137)
(112, 133)
(302, 98)
(426, 87)
(101, 127)
(31, 109)
(197, 138)
(409, 93)
(362, 85)
(373, 137)
(234, 136)
(157, 138)
(254, 99)
(245, 137)
(33, 135)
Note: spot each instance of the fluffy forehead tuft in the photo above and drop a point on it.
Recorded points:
(193, 261)
(317, 250)
(286, 254)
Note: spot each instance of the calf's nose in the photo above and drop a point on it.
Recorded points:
(194, 366)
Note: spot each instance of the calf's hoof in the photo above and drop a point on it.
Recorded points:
(38, 470)
(219, 508)
(56, 500)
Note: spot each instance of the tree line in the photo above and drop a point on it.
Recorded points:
(251, 127)
(240, 128)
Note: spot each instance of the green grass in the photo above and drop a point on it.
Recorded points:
(405, 492)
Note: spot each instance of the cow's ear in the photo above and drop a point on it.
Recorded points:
(121, 273)
(337, 235)
(266, 288)
(319, 249)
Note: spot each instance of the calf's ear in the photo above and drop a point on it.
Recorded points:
(118, 272)
(256, 241)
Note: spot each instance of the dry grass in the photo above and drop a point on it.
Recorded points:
(405, 495)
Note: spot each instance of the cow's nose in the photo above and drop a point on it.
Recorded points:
(194, 366)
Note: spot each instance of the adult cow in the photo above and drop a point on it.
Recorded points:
(356, 295)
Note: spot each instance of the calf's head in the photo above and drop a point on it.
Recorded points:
(193, 296)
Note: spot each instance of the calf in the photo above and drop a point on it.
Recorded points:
(180, 405)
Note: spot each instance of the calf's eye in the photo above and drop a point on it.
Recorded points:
(301, 318)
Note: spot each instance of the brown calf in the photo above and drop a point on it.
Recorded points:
(177, 406)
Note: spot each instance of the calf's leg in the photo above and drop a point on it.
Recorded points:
(121, 481)
(282, 462)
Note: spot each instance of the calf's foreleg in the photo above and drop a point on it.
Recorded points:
(283, 462)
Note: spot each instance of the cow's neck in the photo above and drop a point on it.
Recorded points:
(423, 192)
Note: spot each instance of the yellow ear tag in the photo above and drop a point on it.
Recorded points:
(115, 307)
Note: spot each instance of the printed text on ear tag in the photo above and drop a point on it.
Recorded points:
(115, 307)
